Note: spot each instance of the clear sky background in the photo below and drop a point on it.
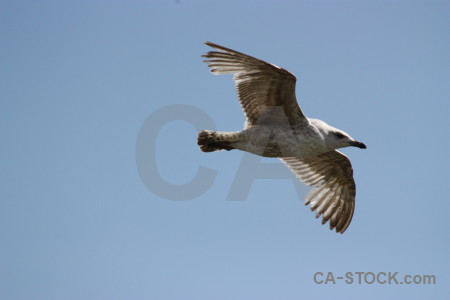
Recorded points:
(79, 78)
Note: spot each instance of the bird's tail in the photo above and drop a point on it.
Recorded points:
(210, 141)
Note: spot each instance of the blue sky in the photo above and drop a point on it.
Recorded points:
(79, 79)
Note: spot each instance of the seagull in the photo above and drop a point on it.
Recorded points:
(276, 127)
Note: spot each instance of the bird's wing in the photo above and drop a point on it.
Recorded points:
(263, 88)
(331, 174)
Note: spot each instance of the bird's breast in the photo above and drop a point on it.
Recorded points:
(282, 142)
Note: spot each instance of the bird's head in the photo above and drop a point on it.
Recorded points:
(339, 139)
(336, 138)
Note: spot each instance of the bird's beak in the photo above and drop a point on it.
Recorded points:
(358, 144)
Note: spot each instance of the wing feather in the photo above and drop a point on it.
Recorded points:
(262, 88)
(333, 197)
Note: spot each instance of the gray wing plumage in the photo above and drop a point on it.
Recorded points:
(331, 174)
(260, 86)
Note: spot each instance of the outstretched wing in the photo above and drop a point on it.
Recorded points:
(262, 88)
(331, 174)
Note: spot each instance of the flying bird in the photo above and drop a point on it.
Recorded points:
(276, 127)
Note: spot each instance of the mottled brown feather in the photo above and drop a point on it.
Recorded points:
(331, 174)
(260, 86)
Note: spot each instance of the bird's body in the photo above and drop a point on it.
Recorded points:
(280, 141)
(276, 127)
(276, 141)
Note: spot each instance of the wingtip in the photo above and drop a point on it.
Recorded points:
(212, 45)
(221, 48)
(338, 230)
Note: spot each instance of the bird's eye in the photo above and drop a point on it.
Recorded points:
(339, 135)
